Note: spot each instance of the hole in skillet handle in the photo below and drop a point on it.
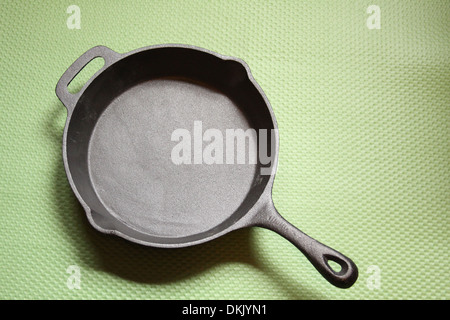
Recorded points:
(77, 83)
(338, 267)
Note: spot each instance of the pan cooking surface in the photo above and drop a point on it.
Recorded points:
(130, 163)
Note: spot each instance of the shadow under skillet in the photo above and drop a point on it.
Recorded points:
(144, 264)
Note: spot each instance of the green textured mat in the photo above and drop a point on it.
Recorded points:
(364, 165)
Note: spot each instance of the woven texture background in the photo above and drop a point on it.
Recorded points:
(364, 165)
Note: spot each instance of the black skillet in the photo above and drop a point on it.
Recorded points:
(118, 141)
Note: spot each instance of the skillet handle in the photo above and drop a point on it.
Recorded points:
(317, 253)
(69, 99)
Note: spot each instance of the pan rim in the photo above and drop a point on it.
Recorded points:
(243, 220)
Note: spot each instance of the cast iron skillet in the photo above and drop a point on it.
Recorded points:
(117, 148)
